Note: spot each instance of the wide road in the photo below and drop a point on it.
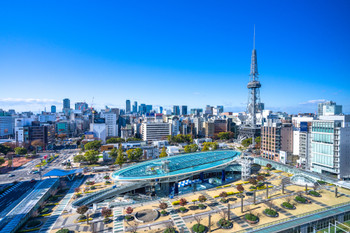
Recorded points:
(23, 173)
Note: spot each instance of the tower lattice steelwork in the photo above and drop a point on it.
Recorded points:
(250, 127)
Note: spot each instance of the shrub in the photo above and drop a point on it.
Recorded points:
(251, 217)
(198, 228)
(44, 210)
(314, 193)
(64, 230)
(128, 217)
(224, 223)
(176, 202)
(270, 212)
(300, 199)
(201, 206)
(163, 212)
(169, 230)
(182, 209)
(252, 187)
(288, 205)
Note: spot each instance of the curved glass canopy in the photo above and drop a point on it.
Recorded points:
(176, 165)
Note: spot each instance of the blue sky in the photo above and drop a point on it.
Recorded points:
(173, 53)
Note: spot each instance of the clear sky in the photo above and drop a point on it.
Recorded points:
(173, 53)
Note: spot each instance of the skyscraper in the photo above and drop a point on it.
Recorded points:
(184, 110)
(176, 110)
(148, 108)
(53, 109)
(66, 103)
(81, 106)
(128, 106)
(134, 107)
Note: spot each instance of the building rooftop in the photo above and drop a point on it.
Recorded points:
(177, 165)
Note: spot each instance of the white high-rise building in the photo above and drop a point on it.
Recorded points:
(330, 146)
(111, 124)
(155, 131)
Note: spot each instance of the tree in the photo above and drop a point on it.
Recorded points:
(240, 188)
(62, 136)
(94, 145)
(20, 151)
(223, 194)
(114, 153)
(9, 162)
(2, 160)
(79, 158)
(163, 153)
(91, 156)
(202, 198)
(77, 190)
(163, 205)
(37, 143)
(121, 158)
(183, 202)
(247, 142)
(225, 135)
(132, 139)
(129, 210)
(269, 166)
(106, 212)
(4, 149)
(115, 140)
(260, 178)
(82, 210)
(191, 148)
(252, 181)
(134, 154)
(210, 146)
(180, 138)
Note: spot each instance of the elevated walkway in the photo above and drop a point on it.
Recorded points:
(106, 194)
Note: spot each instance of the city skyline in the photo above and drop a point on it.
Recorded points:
(180, 60)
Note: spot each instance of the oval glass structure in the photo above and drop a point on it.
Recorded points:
(176, 165)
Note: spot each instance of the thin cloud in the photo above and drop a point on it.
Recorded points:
(314, 101)
(21, 101)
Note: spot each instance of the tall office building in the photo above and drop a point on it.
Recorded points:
(330, 146)
(128, 106)
(142, 109)
(66, 103)
(176, 110)
(184, 110)
(148, 108)
(329, 108)
(134, 107)
(53, 109)
(155, 131)
(81, 106)
(160, 109)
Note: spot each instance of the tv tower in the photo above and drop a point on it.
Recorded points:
(250, 129)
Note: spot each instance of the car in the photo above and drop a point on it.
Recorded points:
(11, 175)
(36, 171)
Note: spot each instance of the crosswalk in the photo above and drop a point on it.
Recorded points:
(177, 219)
(10, 190)
(118, 224)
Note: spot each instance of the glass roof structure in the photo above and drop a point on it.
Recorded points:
(176, 165)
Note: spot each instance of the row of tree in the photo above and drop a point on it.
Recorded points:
(180, 138)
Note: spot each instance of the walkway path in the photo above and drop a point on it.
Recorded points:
(60, 207)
